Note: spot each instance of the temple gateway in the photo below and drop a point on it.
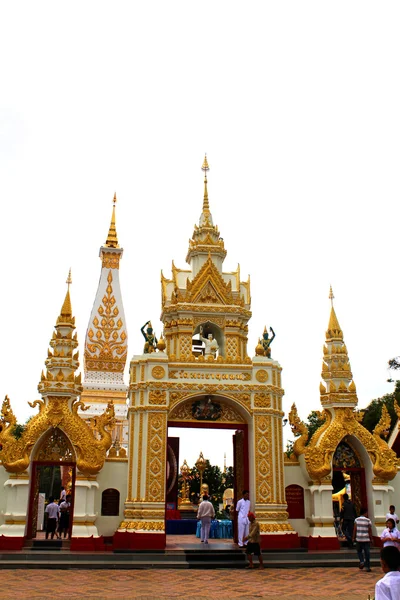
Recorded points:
(108, 438)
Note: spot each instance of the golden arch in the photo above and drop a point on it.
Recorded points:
(207, 408)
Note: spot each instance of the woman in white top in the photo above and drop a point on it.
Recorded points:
(391, 536)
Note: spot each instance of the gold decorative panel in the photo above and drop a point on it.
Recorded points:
(156, 457)
(263, 459)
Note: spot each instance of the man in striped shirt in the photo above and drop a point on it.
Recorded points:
(362, 534)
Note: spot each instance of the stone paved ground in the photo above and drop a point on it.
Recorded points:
(194, 584)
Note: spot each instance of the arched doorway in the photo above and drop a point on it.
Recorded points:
(208, 413)
(348, 476)
(53, 466)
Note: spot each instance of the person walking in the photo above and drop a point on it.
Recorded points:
(63, 526)
(347, 517)
(362, 534)
(253, 542)
(205, 513)
(243, 509)
(53, 512)
(388, 588)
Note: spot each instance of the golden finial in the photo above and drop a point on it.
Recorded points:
(331, 296)
(205, 168)
(69, 278)
(66, 309)
(112, 239)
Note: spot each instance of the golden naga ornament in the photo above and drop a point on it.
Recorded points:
(62, 413)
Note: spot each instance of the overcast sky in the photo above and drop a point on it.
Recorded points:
(297, 106)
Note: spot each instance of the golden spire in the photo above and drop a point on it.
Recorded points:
(334, 331)
(66, 310)
(112, 239)
(205, 168)
(331, 296)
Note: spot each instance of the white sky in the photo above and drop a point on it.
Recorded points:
(296, 105)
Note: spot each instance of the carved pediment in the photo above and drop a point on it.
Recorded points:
(208, 287)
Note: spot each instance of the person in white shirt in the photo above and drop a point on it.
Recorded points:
(392, 514)
(391, 536)
(388, 588)
(205, 513)
(243, 509)
(53, 512)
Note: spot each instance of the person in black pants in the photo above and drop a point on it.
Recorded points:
(347, 518)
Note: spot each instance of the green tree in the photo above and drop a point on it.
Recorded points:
(373, 412)
(314, 422)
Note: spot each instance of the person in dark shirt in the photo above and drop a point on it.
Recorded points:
(347, 517)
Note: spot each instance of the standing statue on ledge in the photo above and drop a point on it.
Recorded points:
(267, 341)
(210, 342)
(151, 340)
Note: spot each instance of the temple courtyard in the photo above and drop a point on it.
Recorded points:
(196, 584)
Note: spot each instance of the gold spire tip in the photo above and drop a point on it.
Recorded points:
(69, 278)
(331, 296)
(205, 166)
(112, 238)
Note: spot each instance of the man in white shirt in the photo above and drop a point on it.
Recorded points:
(205, 513)
(388, 588)
(53, 512)
(243, 509)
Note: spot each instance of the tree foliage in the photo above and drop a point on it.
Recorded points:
(314, 422)
(217, 482)
(373, 412)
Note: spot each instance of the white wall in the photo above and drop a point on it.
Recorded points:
(294, 475)
(114, 474)
(3, 478)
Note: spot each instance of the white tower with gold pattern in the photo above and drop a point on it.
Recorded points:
(106, 343)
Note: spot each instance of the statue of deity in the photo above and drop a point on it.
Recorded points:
(267, 341)
(210, 343)
(151, 340)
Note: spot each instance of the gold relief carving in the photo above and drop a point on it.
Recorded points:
(272, 516)
(55, 447)
(273, 377)
(142, 525)
(157, 397)
(54, 412)
(183, 412)
(262, 375)
(237, 310)
(142, 371)
(263, 459)
(177, 397)
(144, 513)
(141, 398)
(319, 452)
(275, 527)
(158, 372)
(110, 260)
(106, 346)
(133, 374)
(209, 287)
(220, 321)
(262, 400)
(156, 452)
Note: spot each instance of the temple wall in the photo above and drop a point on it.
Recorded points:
(3, 478)
(114, 474)
(294, 475)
